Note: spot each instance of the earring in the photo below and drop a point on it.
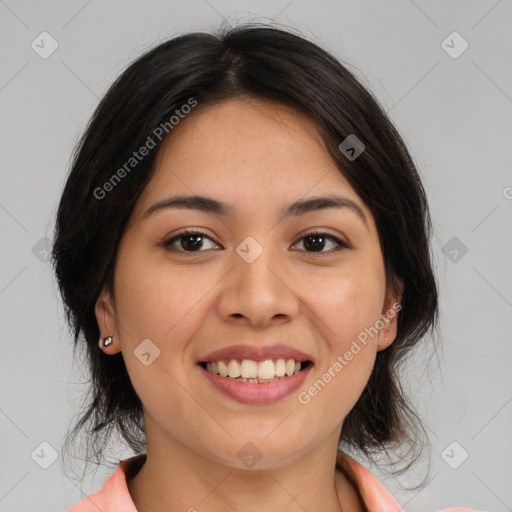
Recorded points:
(105, 342)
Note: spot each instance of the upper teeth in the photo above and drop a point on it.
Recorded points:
(249, 369)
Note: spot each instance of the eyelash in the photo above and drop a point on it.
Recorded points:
(315, 233)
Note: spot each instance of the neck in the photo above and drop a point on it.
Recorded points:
(175, 478)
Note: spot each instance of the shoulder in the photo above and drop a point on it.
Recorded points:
(114, 494)
(375, 496)
(459, 509)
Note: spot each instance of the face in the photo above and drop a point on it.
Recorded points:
(255, 276)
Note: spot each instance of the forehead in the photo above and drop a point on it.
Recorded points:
(243, 150)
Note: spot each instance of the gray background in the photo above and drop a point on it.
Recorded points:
(454, 113)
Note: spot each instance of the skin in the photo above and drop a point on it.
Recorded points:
(258, 157)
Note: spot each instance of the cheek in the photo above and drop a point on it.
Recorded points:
(348, 354)
(154, 304)
(158, 304)
(346, 304)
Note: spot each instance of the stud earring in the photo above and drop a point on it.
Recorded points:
(105, 342)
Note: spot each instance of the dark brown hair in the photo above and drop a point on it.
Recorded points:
(268, 63)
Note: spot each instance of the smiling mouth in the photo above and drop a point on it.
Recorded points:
(253, 372)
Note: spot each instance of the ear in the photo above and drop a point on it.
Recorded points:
(389, 316)
(105, 316)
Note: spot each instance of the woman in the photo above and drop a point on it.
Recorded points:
(245, 233)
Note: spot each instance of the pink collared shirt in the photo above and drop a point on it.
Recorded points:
(115, 497)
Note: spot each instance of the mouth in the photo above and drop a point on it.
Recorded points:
(254, 372)
(252, 382)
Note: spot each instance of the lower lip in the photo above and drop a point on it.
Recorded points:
(252, 393)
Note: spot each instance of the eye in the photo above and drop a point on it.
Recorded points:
(190, 241)
(316, 240)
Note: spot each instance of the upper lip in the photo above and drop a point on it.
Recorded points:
(256, 353)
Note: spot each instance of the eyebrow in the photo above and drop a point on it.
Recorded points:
(212, 206)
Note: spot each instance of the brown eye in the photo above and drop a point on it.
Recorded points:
(190, 241)
(193, 241)
(316, 242)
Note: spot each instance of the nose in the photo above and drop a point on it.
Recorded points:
(260, 293)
